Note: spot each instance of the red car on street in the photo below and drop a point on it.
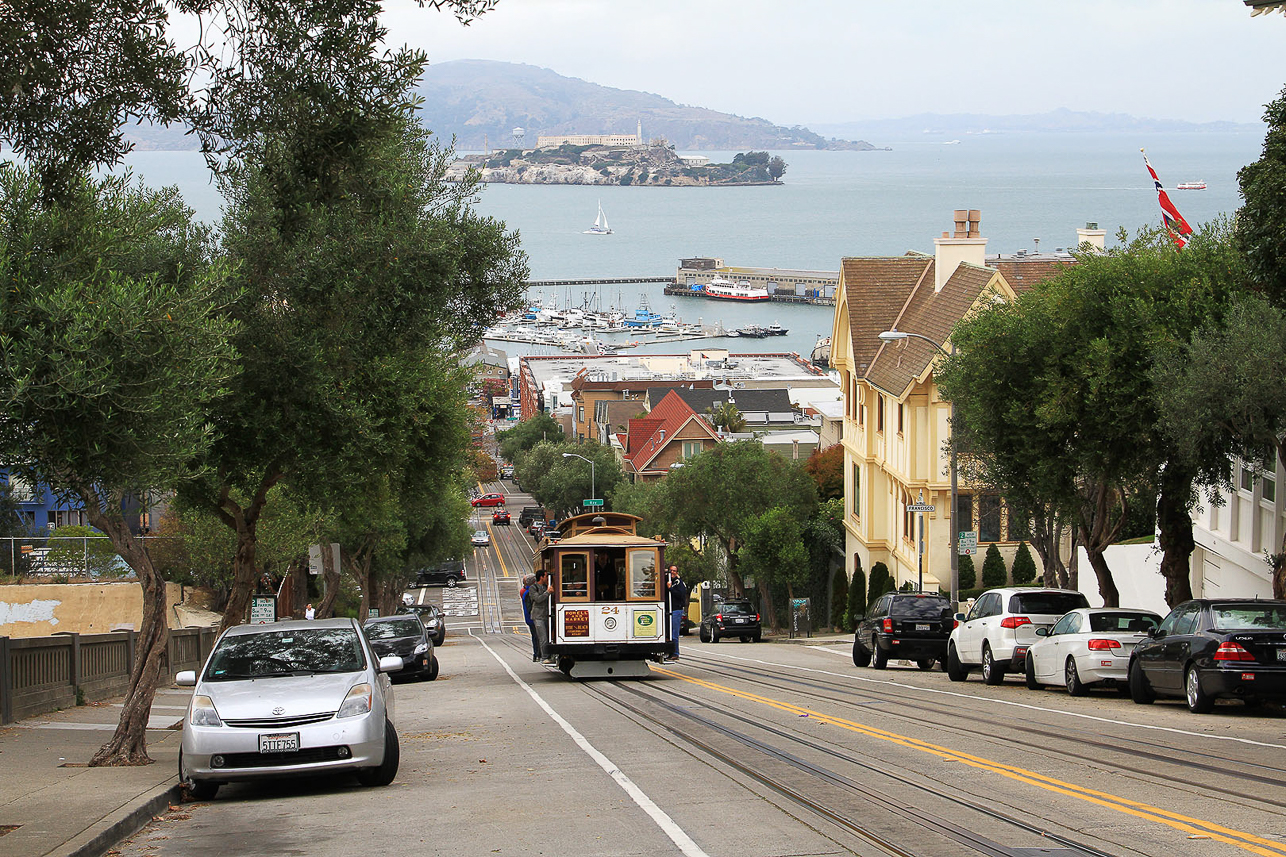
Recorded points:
(501, 518)
(489, 500)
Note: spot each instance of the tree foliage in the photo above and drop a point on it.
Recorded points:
(1260, 234)
(826, 466)
(563, 484)
(526, 434)
(880, 582)
(856, 597)
(968, 575)
(994, 572)
(773, 552)
(1024, 568)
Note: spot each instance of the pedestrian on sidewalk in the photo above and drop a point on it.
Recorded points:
(676, 593)
(309, 612)
(539, 595)
(524, 595)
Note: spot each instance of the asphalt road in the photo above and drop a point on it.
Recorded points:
(758, 749)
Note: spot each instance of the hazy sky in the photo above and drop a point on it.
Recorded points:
(815, 61)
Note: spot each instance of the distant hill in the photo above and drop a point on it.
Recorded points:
(470, 98)
(1061, 120)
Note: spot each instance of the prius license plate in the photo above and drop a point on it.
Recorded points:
(921, 627)
(1281, 654)
(283, 742)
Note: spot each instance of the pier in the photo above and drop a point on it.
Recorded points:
(614, 281)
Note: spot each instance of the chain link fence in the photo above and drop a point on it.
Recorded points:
(61, 557)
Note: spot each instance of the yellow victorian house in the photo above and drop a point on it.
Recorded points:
(895, 424)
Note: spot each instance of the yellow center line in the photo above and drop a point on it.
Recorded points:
(1247, 841)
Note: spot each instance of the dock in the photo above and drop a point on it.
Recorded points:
(613, 281)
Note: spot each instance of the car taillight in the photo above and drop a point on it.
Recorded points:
(718, 617)
(1232, 652)
(888, 626)
(955, 623)
(1014, 621)
(1102, 645)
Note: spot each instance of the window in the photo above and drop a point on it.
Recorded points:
(691, 448)
(1268, 479)
(857, 491)
(901, 418)
(1187, 620)
(908, 518)
(1247, 479)
(643, 581)
(20, 490)
(964, 513)
(989, 518)
(879, 413)
(860, 407)
(580, 411)
(66, 518)
(573, 577)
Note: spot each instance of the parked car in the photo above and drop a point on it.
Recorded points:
(435, 621)
(1210, 648)
(1002, 624)
(480, 539)
(500, 518)
(488, 500)
(447, 573)
(732, 619)
(1086, 648)
(529, 514)
(911, 625)
(327, 707)
(405, 636)
(535, 529)
(507, 472)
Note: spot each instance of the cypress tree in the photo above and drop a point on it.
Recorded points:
(856, 596)
(839, 599)
(1024, 566)
(994, 572)
(879, 582)
(968, 576)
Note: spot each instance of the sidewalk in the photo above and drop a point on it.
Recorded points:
(51, 805)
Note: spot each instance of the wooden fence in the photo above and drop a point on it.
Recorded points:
(42, 674)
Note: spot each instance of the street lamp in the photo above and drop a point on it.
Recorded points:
(896, 335)
(592, 495)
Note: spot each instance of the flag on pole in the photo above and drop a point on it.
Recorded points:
(1174, 222)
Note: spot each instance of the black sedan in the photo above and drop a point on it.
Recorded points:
(403, 635)
(1212, 648)
(910, 625)
(435, 621)
(732, 619)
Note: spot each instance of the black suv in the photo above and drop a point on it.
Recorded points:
(529, 514)
(732, 619)
(911, 625)
(447, 573)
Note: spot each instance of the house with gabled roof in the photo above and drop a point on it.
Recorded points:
(672, 432)
(895, 423)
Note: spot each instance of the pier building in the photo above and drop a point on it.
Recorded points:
(783, 284)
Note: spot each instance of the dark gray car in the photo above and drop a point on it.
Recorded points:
(910, 625)
(403, 635)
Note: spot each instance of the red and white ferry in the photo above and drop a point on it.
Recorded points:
(1190, 186)
(721, 290)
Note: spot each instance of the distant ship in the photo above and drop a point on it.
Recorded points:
(1190, 186)
(722, 290)
(600, 226)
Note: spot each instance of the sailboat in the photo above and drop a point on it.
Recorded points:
(600, 226)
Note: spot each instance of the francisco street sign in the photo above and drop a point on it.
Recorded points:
(595, 502)
(920, 507)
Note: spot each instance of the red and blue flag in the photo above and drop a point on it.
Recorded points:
(1174, 222)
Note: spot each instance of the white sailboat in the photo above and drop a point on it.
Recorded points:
(600, 226)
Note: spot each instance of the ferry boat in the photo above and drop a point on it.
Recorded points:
(1190, 186)
(721, 290)
(775, 329)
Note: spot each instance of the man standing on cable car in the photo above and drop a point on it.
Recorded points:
(676, 593)
(538, 594)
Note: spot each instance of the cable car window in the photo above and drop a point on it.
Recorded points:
(573, 577)
(643, 580)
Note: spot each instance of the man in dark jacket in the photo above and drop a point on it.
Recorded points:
(538, 594)
(676, 593)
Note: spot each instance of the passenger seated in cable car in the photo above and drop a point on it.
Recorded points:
(609, 577)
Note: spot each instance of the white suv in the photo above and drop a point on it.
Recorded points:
(1002, 624)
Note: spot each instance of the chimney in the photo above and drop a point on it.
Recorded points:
(966, 244)
(1092, 236)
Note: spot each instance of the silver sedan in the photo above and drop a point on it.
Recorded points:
(1086, 647)
(285, 699)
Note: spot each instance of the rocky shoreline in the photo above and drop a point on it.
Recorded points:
(656, 165)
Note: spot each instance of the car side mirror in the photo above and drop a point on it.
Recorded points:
(959, 617)
(390, 664)
(1156, 633)
(1042, 631)
(185, 678)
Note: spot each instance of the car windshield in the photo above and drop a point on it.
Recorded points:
(283, 653)
(1049, 603)
(737, 608)
(1249, 617)
(1137, 622)
(920, 608)
(392, 630)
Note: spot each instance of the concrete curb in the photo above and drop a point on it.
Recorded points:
(99, 838)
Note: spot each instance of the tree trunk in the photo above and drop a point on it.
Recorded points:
(734, 575)
(765, 603)
(299, 586)
(128, 744)
(245, 522)
(1174, 533)
(1099, 530)
(330, 583)
(1047, 533)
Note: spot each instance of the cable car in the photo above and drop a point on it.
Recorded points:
(608, 617)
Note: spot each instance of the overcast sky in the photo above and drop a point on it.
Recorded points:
(818, 61)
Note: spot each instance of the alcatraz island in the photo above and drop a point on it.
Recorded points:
(590, 159)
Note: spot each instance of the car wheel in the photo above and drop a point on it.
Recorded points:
(925, 664)
(757, 637)
(714, 635)
(440, 639)
(383, 773)
(879, 658)
(1199, 702)
(861, 655)
(1140, 691)
(1029, 672)
(745, 639)
(198, 789)
(704, 634)
(451, 582)
(433, 669)
(1075, 687)
(992, 672)
(955, 670)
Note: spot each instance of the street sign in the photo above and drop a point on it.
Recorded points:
(967, 545)
(596, 502)
(920, 507)
(263, 610)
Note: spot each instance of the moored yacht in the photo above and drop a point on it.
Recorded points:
(722, 290)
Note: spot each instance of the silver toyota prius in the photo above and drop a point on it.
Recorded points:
(285, 699)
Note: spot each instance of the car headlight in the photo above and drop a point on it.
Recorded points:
(358, 701)
(421, 648)
(203, 712)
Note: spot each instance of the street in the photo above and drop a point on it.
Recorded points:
(757, 749)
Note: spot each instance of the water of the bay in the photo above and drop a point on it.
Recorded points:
(831, 205)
